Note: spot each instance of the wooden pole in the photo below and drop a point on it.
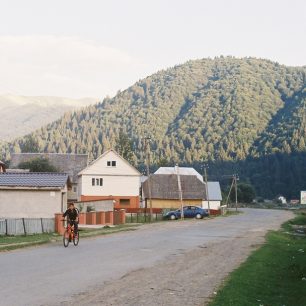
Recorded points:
(180, 191)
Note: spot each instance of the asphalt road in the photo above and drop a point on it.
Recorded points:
(52, 274)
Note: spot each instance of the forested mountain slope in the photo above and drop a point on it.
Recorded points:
(227, 111)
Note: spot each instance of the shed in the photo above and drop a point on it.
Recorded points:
(33, 195)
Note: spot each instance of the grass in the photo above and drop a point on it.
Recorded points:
(8, 243)
(275, 274)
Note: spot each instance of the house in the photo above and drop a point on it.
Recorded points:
(213, 188)
(214, 195)
(65, 163)
(165, 192)
(33, 195)
(110, 177)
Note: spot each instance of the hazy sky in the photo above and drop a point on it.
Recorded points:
(79, 48)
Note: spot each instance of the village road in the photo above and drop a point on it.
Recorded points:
(169, 263)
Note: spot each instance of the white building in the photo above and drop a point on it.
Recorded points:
(214, 196)
(32, 195)
(110, 177)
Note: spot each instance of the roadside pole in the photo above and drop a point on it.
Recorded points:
(207, 193)
(180, 191)
(147, 149)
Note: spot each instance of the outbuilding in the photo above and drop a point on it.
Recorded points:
(33, 195)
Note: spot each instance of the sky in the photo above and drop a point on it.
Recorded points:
(93, 48)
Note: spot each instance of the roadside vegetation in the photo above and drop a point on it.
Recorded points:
(8, 243)
(275, 274)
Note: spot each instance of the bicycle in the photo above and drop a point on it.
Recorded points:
(69, 235)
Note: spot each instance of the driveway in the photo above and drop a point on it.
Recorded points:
(169, 263)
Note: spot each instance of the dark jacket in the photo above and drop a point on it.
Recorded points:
(72, 214)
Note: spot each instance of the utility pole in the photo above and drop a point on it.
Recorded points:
(206, 187)
(180, 191)
(147, 150)
(236, 195)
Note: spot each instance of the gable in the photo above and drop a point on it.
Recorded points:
(110, 163)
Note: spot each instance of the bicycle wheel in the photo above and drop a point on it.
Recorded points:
(76, 239)
(66, 239)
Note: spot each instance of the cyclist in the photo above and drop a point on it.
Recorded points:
(73, 217)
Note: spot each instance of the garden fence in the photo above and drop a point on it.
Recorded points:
(26, 226)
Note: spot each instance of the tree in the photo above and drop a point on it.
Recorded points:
(245, 193)
(38, 165)
(124, 146)
(30, 145)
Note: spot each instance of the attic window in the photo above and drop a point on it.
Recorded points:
(111, 163)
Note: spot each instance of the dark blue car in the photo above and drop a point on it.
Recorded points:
(189, 212)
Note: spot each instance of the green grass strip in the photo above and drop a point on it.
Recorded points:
(275, 274)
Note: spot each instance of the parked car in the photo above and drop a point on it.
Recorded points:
(189, 212)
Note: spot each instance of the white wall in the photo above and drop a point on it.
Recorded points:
(212, 204)
(99, 166)
(112, 185)
(30, 203)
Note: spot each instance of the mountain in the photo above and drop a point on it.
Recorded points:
(21, 115)
(239, 115)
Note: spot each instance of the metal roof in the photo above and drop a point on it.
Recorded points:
(214, 191)
(182, 171)
(33, 179)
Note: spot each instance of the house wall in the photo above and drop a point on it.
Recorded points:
(160, 203)
(112, 185)
(119, 181)
(99, 166)
(73, 195)
(31, 203)
(133, 200)
(212, 205)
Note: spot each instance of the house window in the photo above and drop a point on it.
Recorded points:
(111, 163)
(125, 202)
(97, 181)
(74, 189)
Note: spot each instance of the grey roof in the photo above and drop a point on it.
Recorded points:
(33, 179)
(214, 191)
(182, 171)
(165, 186)
(66, 163)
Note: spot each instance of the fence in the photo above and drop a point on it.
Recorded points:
(25, 226)
(142, 217)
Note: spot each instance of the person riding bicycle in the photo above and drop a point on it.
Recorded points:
(73, 217)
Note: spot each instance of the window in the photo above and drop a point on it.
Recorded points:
(74, 189)
(111, 163)
(97, 181)
(124, 201)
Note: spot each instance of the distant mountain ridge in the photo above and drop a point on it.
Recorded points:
(239, 115)
(21, 115)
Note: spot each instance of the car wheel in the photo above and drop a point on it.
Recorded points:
(172, 217)
(198, 216)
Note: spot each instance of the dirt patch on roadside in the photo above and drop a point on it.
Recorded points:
(183, 279)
